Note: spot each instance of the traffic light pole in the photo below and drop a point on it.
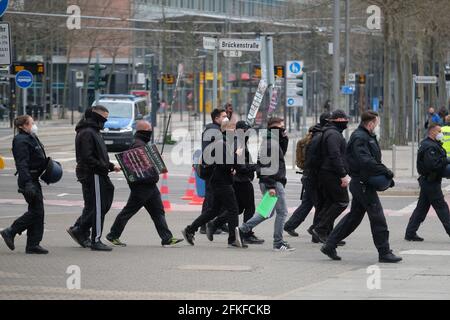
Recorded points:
(97, 78)
(336, 55)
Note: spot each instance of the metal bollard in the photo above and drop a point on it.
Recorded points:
(394, 159)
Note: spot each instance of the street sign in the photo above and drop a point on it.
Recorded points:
(24, 79)
(348, 90)
(294, 101)
(352, 77)
(426, 79)
(239, 44)
(5, 44)
(209, 43)
(3, 6)
(294, 69)
(232, 54)
(79, 75)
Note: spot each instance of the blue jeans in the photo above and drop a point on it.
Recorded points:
(281, 211)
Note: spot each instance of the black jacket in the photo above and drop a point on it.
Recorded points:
(431, 159)
(269, 180)
(364, 155)
(222, 174)
(333, 151)
(29, 156)
(209, 127)
(245, 172)
(91, 153)
(139, 141)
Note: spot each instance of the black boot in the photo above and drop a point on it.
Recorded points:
(414, 238)
(8, 236)
(330, 252)
(321, 237)
(77, 236)
(389, 258)
(36, 250)
(100, 246)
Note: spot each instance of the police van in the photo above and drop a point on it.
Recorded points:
(124, 111)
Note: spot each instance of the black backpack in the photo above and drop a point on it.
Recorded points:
(313, 152)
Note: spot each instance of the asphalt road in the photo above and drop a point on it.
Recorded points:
(208, 270)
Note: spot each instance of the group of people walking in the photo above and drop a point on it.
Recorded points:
(330, 167)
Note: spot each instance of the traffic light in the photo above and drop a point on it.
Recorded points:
(257, 72)
(279, 71)
(300, 89)
(97, 78)
(35, 68)
(362, 79)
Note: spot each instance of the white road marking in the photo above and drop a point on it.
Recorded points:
(427, 252)
(62, 194)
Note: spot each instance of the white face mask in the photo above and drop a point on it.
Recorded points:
(440, 137)
(34, 129)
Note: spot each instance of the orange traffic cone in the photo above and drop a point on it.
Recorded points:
(165, 193)
(196, 200)
(190, 192)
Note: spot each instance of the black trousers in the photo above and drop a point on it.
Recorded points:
(365, 199)
(430, 195)
(310, 198)
(32, 220)
(223, 197)
(147, 196)
(335, 201)
(245, 196)
(98, 195)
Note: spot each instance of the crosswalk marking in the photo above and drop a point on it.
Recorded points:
(426, 252)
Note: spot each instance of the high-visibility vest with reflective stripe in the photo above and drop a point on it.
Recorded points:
(446, 140)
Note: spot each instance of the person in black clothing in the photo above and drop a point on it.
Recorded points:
(243, 188)
(92, 170)
(221, 185)
(333, 175)
(431, 164)
(311, 196)
(364, 161)
(144, 193)
(31, 162)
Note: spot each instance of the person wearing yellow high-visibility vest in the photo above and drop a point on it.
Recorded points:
(446, 132)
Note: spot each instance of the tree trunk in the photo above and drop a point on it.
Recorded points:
(386, 127)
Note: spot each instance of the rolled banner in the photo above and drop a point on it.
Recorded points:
(380, 183)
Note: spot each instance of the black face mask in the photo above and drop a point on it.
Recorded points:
(341, 125)
(99, 119)
(146, 136)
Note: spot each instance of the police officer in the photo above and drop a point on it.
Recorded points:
(144, 193)
(311, 196)
(364, 162)
(92, 170)
(31, 162)
(333, 174)
(431, 164)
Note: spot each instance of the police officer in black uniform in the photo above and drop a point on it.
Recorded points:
(31, 162)
(364, 161)
(431, 164)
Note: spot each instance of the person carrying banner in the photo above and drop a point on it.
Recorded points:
(144, 193)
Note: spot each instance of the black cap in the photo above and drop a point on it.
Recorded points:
(324, 118)
(337, 114)
(242, 125)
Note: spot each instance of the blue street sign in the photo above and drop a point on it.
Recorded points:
(375, 104)
(348, 90)
(295, 67)
(3, 6)
(24, 79)
(291, 102)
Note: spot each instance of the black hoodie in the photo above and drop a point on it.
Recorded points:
(333, 151)
(91, 153)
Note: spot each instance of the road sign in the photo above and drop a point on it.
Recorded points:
(209, 43)
(3, 6)
(294, 101)
(352, 77)
(348, 90)
(426, 79)
(5, 44)
(24, 79)
(294, 69)
(232, 54)
(239, 44)
(79, 75)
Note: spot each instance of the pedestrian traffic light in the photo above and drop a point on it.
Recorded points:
(97, 78)
(279, 71)
(362, 79)
(300, 82)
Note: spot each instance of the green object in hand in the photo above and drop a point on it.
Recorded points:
(266, 205)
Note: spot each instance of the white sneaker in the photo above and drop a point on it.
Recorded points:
(283, 247)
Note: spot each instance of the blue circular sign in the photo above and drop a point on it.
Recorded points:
(295, 67)
(291, 101)
(24, 79)
(3, 6)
